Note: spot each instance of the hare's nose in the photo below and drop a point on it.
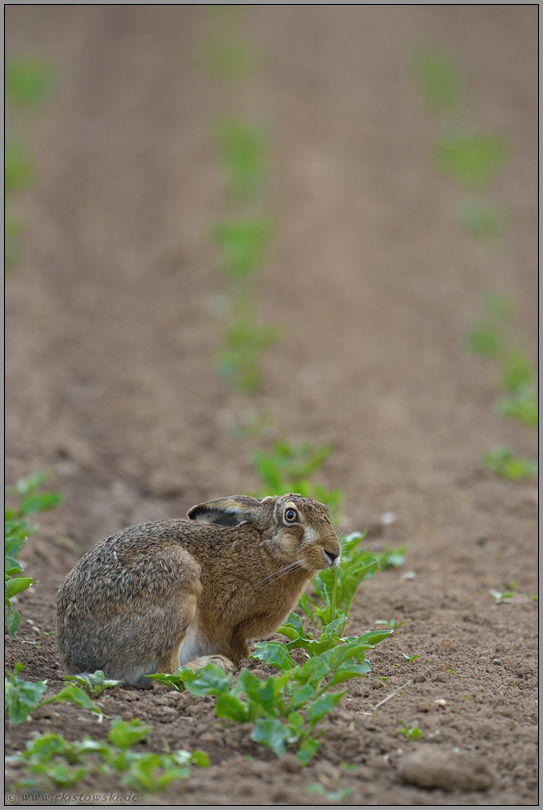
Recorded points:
(334, 558)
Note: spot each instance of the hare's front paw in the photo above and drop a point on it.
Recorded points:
(219, 661)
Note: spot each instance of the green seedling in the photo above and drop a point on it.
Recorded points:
(391, 557)
(245, 342)
(184, 675)
(284, 709)
(383, 678)
(21, 697)
(522, 405)
(517, 371)
(493, 338)
(392, 623)
(29, 81)
(243, 245)
(244, 155)
(472, 158)
(75, 695)
(504, 463)
(490, 335)
(225, 55)
(63, 763)
(124, 734)
(413, 733)
(412, 658)
(289, 468)
(439, 78)
(332, 796)
(336, 587)
(19, 169)
(17, 532)
(483, 220)
(92, 682)
(508, 594)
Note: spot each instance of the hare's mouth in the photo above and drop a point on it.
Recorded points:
(333, 559)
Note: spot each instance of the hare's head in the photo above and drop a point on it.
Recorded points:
(294, 529)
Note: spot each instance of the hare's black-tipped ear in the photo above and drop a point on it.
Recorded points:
(231, 511)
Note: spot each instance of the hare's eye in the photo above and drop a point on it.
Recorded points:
(291, 515)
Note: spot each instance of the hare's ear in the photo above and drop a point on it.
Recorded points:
(231, 511)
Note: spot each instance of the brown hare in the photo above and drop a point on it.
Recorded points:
(187, 592)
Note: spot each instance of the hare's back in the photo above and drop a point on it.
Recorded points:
(140, 563)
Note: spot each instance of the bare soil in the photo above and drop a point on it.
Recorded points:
(110, 381)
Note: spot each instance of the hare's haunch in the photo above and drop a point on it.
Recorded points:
(186, 592)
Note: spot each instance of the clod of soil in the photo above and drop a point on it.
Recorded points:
(428, 768)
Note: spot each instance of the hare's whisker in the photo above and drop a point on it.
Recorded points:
(281, 572)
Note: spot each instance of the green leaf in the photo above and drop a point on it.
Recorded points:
(21, 697)
(307, 750)
(11, 566)
(293, 627)
(16, 585)
(93, 682)
(184, 675)
(199, 758)
(125, 734)
(271, 733)
(313, 671)
(32, 482)
(29, 81)
(374, 636)
(502, 462)
(13, 620)
(231, 707)
(473, 158)
(40, 502)
(17, 533)
(305, 604)
(323, 706)
(211, 680)
(72, 694)
(303, 696)
(349, 670)
(274, 654)
(61, 775)
(439, 78)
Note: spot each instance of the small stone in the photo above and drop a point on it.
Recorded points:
(497, 662)
(429, 768)
(442, 703)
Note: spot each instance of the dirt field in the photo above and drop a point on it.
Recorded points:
(110, 382)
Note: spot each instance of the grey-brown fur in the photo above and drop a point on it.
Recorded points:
(199, 585)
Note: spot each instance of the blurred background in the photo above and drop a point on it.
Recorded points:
(251, 248)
